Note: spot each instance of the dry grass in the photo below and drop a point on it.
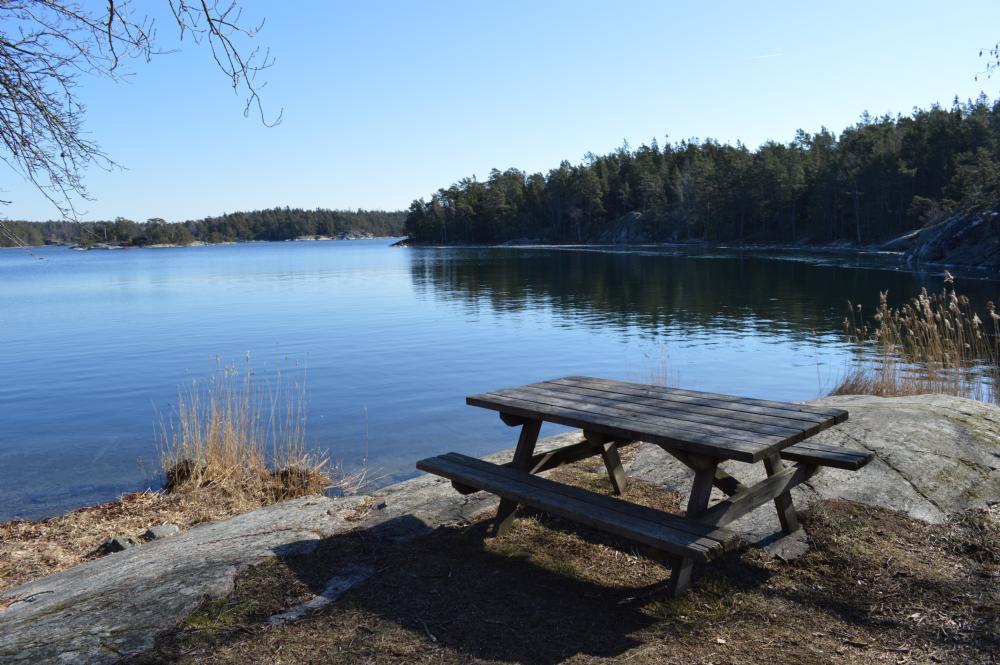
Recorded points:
(32, 548)
(936, 343)
(232, 432)
(876, 587)
(231, 446)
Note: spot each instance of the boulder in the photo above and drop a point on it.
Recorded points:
(117, 544)
(968, 238)
(161, 531)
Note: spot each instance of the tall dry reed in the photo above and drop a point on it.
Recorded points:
(936, 343)
(245, 437)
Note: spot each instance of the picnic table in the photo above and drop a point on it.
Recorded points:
(700, 429)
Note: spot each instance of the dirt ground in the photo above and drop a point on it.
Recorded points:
(875, 587)
(30, 549)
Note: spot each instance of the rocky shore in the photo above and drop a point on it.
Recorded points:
(935, 456)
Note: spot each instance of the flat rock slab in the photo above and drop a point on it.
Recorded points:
(115, 606)
(934, 455)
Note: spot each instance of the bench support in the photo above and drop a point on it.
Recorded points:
(522, 461)
(705, 469)
(608, 448)
(725, 482)
(783, 502)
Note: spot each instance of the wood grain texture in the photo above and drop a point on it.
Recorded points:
(644, 525)
(699, 423)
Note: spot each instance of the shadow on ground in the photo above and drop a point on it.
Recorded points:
(875, 587)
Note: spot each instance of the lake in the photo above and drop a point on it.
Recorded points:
(389, 341)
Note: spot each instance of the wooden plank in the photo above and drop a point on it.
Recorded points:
(541, 462)
(565, 455)
(621, 410)
(612, 462)
(783, 502)
(796, 410)
(680, 576)
(732, 402)
(708, 531)
(701, 492)
(664, 409)
(549, 496)
(601, 413)
(722, 480)
(738, 419)
(522, 458)
(464, 489)
(817, 454)
(479, 472)
(620, 428)
(755, 496)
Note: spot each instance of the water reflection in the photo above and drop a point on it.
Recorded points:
(671, 289)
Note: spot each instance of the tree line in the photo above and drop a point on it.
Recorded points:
(879, 178)
(272, 224)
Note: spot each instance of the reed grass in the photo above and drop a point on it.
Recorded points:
(935, 343)
(247, 438)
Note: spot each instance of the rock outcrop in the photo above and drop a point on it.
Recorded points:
(629, 229)
(934, 455)
(965, 239)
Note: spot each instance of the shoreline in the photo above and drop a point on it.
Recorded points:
(196, 243)
(272, 571)
(817, 250)
(904, 261)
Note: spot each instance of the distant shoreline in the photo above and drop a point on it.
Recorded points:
(199, 243)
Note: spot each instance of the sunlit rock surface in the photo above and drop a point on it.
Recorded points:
(934, 455)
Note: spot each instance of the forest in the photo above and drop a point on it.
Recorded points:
(272, 224)
(879, 178)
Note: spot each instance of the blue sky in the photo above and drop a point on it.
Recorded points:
(385, 102)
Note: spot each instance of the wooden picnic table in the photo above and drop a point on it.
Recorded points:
(700, 429)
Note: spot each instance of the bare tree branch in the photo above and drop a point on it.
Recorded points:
(47, 45)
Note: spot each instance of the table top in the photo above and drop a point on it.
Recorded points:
(719, 426)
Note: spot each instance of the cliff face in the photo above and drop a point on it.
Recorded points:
(967, 239)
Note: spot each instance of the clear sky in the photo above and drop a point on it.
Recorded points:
(385, 102)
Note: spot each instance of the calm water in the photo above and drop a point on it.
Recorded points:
(96, 344)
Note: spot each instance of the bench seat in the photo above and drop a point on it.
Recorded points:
(817, 454)
(662, 531)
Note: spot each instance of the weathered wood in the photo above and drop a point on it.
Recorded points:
(680, 576)
(625, 428)
(730, 420)
(733, 402)
(783, 502)
(701, 492)
(725, 482)
(565, 455)
(638, 523)
(522, 458)
(463, 489)
(608, 449)
(822, 455)
(628, 509)
(734, 413)
(754, 496)
(545, 400)
(512, 420)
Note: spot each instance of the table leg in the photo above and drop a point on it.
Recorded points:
(522, 459)
(701, 492)
(783, 502)
(612, 461)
